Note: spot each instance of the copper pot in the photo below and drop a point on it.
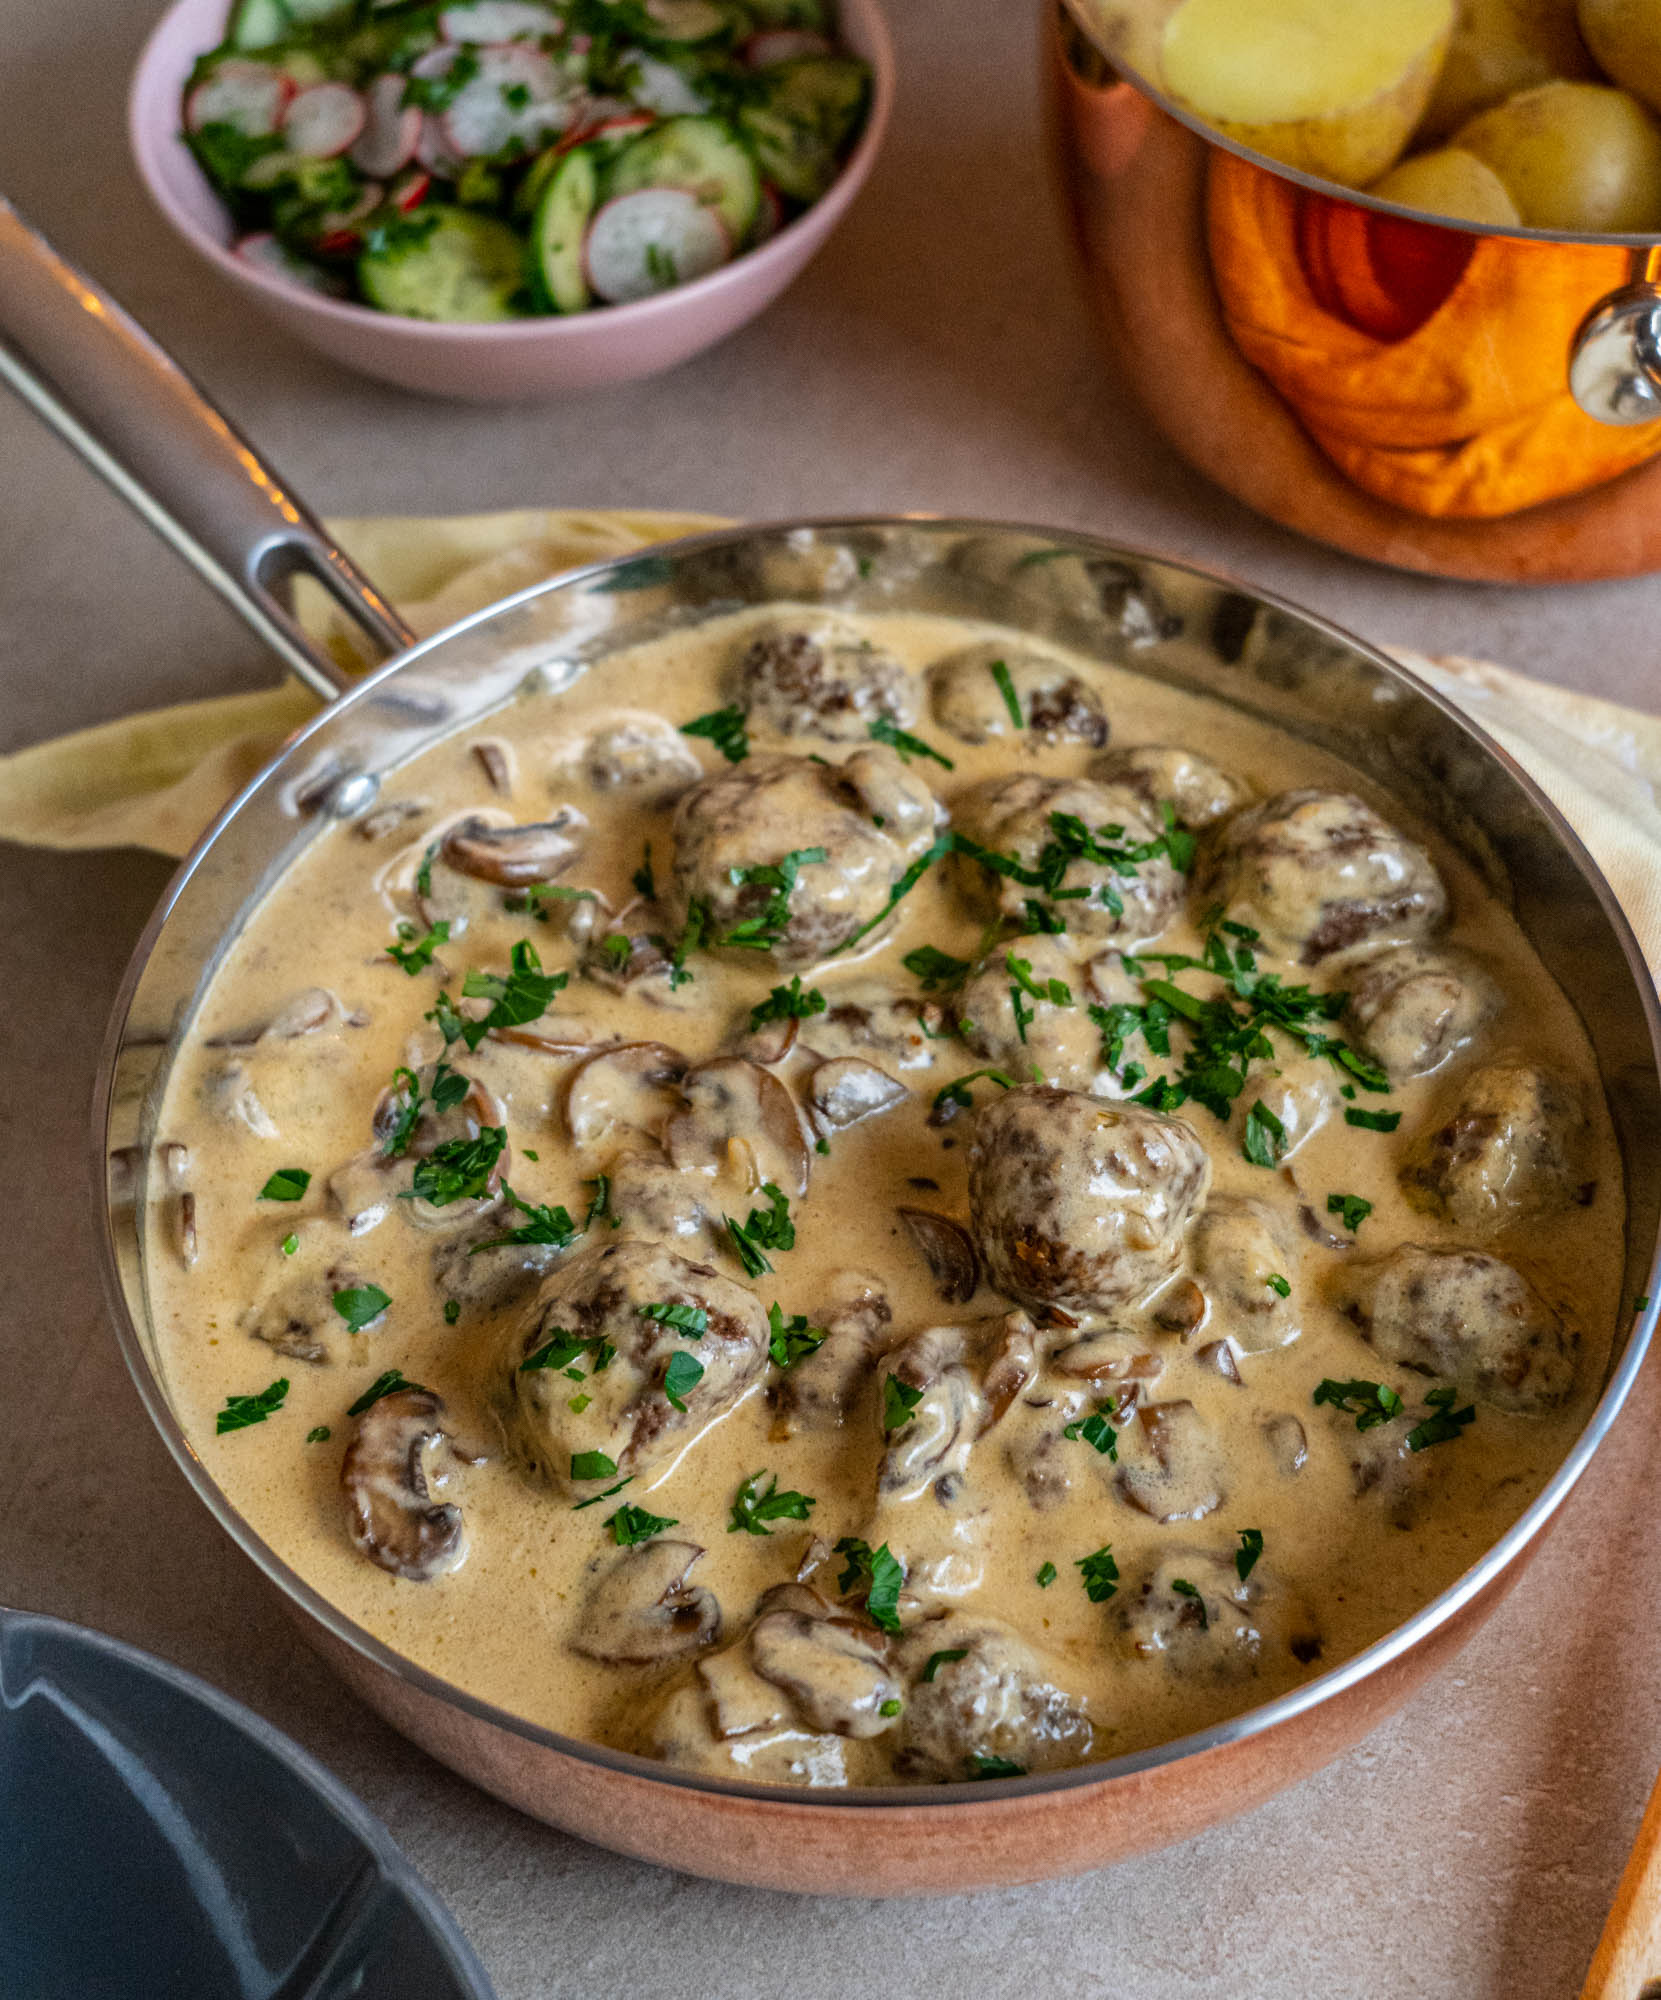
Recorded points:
(77, 358)
(1467, 401)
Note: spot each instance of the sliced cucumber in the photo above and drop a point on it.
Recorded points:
(652, 240)
(464, 267)
(256, 24)
(558, 279)
(704, 156)
(792, 14)
(798, 128)
(687, 21)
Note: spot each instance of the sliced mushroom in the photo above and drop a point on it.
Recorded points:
(1106, 1359)
(624, 1090)
(731, 1103)
(1219, 1356)
(1181, 1479)
(311, 1011)
(391, 1514)
(641, 1611)
(834, 1669)
(230, 1093)
(514, 856)
(771, 1043)
(1288, 1443)
(847, 1090)
(389, 815)
(497, 759)
(949, 1250)
(823, 1386)
(186, 1225)
(934, 1443)
(1180, 1308)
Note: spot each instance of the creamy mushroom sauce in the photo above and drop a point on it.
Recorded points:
(1354, 1538)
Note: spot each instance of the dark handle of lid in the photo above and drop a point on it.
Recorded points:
(98, 379)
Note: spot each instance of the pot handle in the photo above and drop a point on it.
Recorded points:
(1615, 364)
(98, 379)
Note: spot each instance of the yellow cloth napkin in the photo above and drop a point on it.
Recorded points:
(155, 780)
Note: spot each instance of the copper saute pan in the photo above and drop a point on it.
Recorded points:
(72, 353)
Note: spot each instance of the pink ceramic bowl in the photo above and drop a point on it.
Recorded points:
(507, 360)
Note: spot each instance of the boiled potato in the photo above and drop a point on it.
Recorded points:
(1333, 87)
(1500, 47)
(1450, 182)
(1580, 156)
(1625, 36)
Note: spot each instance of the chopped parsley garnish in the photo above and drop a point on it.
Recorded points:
(1370, 1403)
(682, 1376)
(415, 953)
(618, 949)
(879, 1574)
(1099, 1574)
(1152, 1021)
(643, 880)
(452, 1311)
(958, 1095)
(943, 1658)
(899, 1399)
(1184, 1588)
(999, 671)
(1641, 1302)
(291, 1243)
(692, 1321)
(983, 1766)
(286, 1184)
(242, 1411)
(1056, 991)
(460, 1169)
(546, 1225)
(724, 727)
(533, 900)
(751, 1508)
(563, 1347)
(901, 889)
(766, 1229)
(1246, 1555)
(891, 1706)
(1095, 1430)
(319, 1434)
(594, 1499)
(1265, 1137)
(522, 996)
(599, 1202)
(909, 746)
(1350, 1209)
(788, 1003)
(424, 874)
(1372, 1121)
(1444, 1424)
(790, 1340)
(592, 1465)
(387, 1384)
(449, 1089)
(358, 1305)
(578, 1403)
(1281, 1287)
(1047, 1575)
(763, 930)
(935, 968)
(633, 1524)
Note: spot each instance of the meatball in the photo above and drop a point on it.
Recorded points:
(1027, 817)
(1466, 1319)
(1056, 706)
(869, 1020)
(1012, 1026)
(1410, 1009)
(817, 676)
(1174, 1468)
(1301, 1092)
(1080, 1204)
(654, 1200)
(982, 1697)
(1510, 1144)
(818, 1391)
(608, 1297)
(1240, 1249)
(1321, 872)
(871, 816)
(1198, 791)
(1194, 1611)
(1110, 597)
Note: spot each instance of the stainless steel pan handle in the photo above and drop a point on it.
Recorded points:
(142, 424)
(1615, 365)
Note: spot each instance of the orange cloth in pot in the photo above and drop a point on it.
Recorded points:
(1429, 365)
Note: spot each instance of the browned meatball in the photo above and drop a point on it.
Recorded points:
(1199, 792)
(871, 816)
(1510, 1144)
(1466, 1319)
(1018, 817)
(1410, 1009)
(1195, 1612)
(616, 1294)
(817, 676)
(993, 1699)
(1240, 1247)
(1079, 1204)
(1052, 1026)
(1055, 705)
(1320, 872)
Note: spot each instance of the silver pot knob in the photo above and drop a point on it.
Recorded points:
(1615, 366)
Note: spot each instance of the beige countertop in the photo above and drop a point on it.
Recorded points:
(937, 358)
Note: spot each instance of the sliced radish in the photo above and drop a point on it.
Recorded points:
(610, 128)
(769, 217)
(247, 95)
(434, 151)
(498, 21)
(266, 253)
(650, 241)
(435, 61)
(410, 190)
(777, 45)
(389, 137)
(338, 233)
(323, 120)
(515, 102)
(661, 88)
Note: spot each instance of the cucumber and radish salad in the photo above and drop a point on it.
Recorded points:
(493, 159)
